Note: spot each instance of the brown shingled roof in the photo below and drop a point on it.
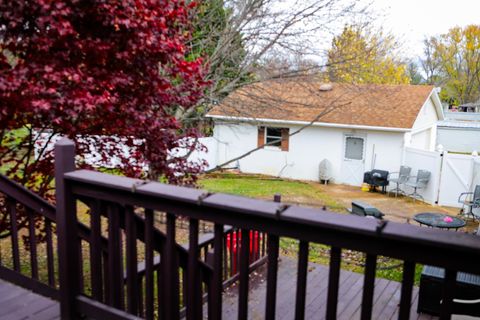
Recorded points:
(395, 106)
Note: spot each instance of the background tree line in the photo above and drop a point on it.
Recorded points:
(244, 48)
(452, 61)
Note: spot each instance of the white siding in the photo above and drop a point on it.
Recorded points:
(424, 128)
(422, 140)
(459, 139)
(306, 150)
(427, 116)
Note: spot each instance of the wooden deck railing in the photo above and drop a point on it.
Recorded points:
(33, 263)
(17, 199)
(122, 233)
(27, 260)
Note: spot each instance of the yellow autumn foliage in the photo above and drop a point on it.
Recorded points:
(358, 56)
(457, 55)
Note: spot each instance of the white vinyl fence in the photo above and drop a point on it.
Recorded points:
(418, 159)
(45, 142)
(451, 174)
(210, 155)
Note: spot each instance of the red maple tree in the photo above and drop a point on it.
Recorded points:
(97, 72)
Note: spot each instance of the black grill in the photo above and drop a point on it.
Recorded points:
(376, 178)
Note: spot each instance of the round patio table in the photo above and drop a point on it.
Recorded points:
(439, 220)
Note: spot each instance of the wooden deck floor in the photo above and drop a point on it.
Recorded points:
(386, 296)
(17, 303)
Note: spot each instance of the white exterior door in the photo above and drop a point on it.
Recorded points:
(353, 165)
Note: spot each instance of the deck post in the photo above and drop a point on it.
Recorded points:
(69, 271)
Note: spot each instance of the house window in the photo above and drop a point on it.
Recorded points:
(354, 148)
(273, 137)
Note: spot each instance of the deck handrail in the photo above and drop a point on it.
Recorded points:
(300, 223)
(412, 244)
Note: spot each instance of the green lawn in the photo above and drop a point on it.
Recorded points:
(299, 192)
(263, 187)
(11, 139)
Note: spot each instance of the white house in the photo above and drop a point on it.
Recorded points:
(355, 127)
(460, 131)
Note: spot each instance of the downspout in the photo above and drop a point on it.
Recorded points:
(374, 157)
(407, 139)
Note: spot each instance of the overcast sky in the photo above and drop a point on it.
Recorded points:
(412, 20)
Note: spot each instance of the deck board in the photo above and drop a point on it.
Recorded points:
(385, 305)
(17, 303)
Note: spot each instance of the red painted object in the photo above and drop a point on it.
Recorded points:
(233, 247)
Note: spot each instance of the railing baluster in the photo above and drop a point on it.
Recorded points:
(301, 280)
(121, 247)
(448, 293)
(194, 297)
(368, 286)
(272, 264)
(33, 243)
(407, 286)
(216, 287)
(80, 265)
(171, 272)
(272, 271)
(96, 251)
(183, 285)
(160, 285)
(50, 258)
(333, 280)
(12, 208)
(131, 252)
(115, 276)
(205, 253)
(243, 277)
(106, 286)
(141, 309)
(161, 290)
(149, 264)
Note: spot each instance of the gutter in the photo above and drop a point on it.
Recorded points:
(314, 124)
